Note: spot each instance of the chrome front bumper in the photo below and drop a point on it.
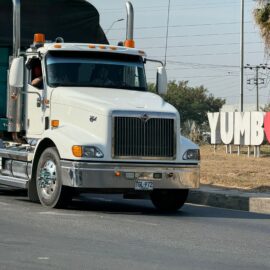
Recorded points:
(123, 176)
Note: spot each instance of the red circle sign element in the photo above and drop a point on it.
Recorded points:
(267, 126)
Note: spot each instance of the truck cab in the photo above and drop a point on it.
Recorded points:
(81, 119)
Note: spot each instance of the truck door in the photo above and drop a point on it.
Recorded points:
(34, 110)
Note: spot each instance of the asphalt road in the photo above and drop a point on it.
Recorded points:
(106, 232)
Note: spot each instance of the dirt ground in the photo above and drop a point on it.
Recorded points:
(231, 170)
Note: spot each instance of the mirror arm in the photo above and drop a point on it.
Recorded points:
(32, 92)
(39, 100)
(153, 60)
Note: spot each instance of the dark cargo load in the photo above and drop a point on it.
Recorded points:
(74, 20)
(4, 53)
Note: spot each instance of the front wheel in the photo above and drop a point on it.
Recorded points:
(169, 200)
(50, 190)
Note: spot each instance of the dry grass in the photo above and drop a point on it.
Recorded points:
(248, 173)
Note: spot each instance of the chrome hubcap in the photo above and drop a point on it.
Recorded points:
(47, 179)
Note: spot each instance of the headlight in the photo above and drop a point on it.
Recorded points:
(192, 154)
(87, 151)
(92, 152)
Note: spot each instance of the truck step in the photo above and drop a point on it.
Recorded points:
(13, 182)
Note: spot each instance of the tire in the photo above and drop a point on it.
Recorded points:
(49, 186)
(169, 200)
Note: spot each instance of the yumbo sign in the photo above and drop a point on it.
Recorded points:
(238, 128)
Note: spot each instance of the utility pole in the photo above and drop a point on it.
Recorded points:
(256, 81)
(242, 57)
(257, 88)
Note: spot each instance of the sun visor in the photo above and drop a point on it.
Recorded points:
(73, 20)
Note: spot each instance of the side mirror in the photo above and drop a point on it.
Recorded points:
(162, 81)
(16, 73)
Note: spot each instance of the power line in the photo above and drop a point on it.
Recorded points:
(165, 6)
(193, 35)
(257, 80)
(183, 25)
(185, 4)
(205, 54)
(208, 76)
(201, 45)
(201, 64)
(184, 7)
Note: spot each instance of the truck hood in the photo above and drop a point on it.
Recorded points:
(103, 100)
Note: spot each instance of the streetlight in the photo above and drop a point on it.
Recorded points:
(242, 57)
(119, 20)
(167, 33)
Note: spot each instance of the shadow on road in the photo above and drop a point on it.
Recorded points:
(12, 192)
(113, 204)
(116, 205)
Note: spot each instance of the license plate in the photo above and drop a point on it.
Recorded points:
(144, 185)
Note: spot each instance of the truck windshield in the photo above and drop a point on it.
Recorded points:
(96, 70)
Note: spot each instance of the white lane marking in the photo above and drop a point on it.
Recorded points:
(101, 217)
(70, 215)
(60, 214)
(43, 258)
(101, 199)
(139, 222)
(194, 204)
(4, 204)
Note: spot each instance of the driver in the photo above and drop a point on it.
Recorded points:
(37, 75)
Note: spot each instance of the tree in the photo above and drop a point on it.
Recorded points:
(262, 19)
(266, 108)
(193, 103)
(151, 87)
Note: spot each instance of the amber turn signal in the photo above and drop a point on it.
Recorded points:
(77, 150)
(55, 123)
(117, 173)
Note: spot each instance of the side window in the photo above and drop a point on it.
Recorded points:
(36, 77)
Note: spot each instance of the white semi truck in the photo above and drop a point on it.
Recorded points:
(79, 118)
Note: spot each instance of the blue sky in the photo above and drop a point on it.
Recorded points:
(204, 42)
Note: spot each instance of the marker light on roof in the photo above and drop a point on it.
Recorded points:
(130, 43)
(39, 38)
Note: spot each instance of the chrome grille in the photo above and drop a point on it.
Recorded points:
(144, 137)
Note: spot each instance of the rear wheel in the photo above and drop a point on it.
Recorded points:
(50, 189)
(169, 200)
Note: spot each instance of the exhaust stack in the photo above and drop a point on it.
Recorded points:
(14, 102)
(130, 26)
(16, 27)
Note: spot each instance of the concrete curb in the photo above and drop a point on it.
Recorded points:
(231, 199)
